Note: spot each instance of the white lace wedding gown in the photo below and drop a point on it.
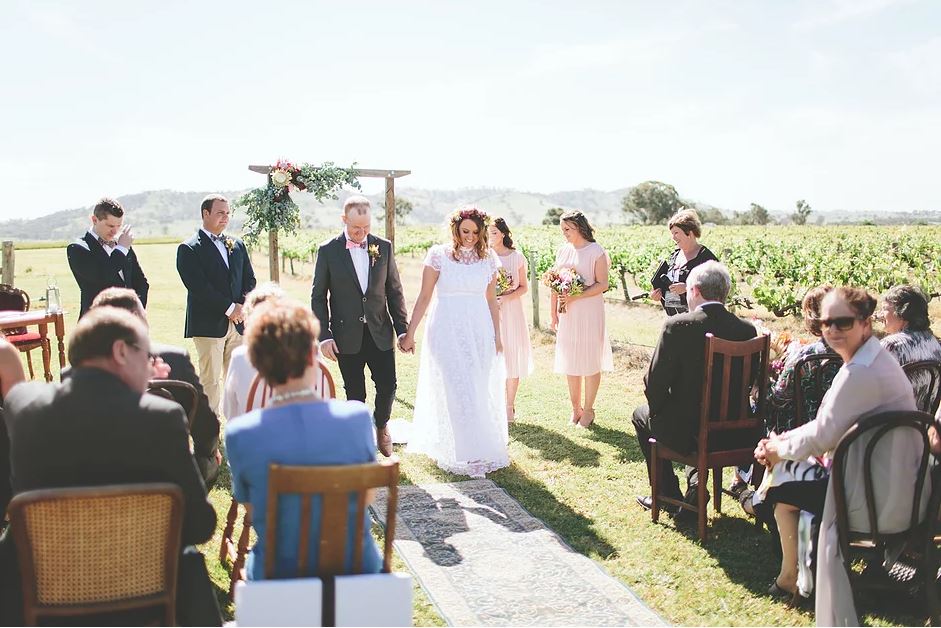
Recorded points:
(460, 407)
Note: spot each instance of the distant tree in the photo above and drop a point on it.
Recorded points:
(713, 215)
(756, 215)
(553, 216)
(403, 207)
(651, 202)
(803, 211)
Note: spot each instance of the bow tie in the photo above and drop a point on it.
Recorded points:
(355, 245)
(103, 242)
(217, 238)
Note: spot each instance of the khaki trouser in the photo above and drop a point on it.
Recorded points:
(214, 354)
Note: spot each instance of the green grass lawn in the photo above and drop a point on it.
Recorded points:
(581, 483)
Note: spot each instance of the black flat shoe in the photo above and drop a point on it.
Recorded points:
(645, 501)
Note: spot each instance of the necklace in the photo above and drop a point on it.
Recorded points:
(288, 396)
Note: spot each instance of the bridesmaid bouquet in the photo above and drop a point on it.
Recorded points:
(564, 281)
(504, 282)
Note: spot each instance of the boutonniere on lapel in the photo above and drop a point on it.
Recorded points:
(373, 251)
(229, 244)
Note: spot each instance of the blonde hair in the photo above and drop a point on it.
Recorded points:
(357, 202)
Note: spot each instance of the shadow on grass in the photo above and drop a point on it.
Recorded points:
(624, 443)
(554, 446)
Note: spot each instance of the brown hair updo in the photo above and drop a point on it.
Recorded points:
(810, 307)
(503, 228)
(581, 223)
(280, 340)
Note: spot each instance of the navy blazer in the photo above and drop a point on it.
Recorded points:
(211, 286)
(95, 270)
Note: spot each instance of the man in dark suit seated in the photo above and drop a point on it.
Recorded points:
(103, 257)
(673, 384)
(98, 428)
(205, 429)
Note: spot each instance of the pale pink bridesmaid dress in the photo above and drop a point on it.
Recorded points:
(514, 330)
(581, 345)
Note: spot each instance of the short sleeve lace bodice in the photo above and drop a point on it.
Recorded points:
(466, 275)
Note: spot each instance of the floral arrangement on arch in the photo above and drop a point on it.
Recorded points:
(469, 213)
(271, 208)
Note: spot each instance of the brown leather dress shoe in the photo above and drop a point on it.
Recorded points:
(384, 440)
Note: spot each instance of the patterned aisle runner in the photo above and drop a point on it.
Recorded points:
(485, 561)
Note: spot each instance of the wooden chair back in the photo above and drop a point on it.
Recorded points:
(334, 485)
(260, 391)
(821, 368)
(872, 542)
(100, 549)
(733, 368)
(925, 377)
(179, 391)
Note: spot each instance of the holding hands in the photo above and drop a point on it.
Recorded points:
(406, 344)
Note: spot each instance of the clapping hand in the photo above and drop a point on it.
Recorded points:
(126, 237)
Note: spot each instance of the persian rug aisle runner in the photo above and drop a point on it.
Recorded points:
(485, 561)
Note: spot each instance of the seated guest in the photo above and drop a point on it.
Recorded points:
(869, 382)
(675, 377)
(905, 315)
(98, 427)
(11, 373)
(205, 428)
(241, 374)
(781, 395)
(296, 429)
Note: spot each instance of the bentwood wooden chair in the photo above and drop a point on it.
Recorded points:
(14, 299)
(926, 379)
(179, 391)
(258, 395)
(918, 558)
(732, 368)
(335, 486)
(819, 369)
(94, 550)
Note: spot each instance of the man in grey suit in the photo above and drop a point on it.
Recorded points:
(357, 297)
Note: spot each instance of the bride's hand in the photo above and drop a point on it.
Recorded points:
(407, 344)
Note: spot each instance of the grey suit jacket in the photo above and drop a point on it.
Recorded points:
(341, 306)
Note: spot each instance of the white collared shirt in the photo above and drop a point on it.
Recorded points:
(360, 257)
(702, 305)
(220, 246)
(110, 249)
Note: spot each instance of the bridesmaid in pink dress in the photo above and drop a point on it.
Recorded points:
(582, 349)
(517, 348)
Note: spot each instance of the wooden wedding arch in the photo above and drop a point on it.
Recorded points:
(389, 175)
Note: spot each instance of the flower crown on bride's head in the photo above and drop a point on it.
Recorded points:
(469, 213)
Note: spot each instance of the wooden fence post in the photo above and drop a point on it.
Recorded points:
(273, 273)
(8, 260)
(534, 289)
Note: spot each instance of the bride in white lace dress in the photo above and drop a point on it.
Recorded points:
(460, 408)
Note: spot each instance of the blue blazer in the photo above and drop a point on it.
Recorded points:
(210, 286)
(95, 270)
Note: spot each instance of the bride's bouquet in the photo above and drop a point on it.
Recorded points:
(564, 281)
(504, 282)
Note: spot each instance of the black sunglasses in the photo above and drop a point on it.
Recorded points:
(843, 323)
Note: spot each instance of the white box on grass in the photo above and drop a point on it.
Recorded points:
(290, 602)
(382, 599)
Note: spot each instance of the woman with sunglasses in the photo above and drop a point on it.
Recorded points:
(869, 382)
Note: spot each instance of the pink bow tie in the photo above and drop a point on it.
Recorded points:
(355, 245)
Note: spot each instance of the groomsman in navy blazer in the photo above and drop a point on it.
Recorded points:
(103, 257)
(217, 273)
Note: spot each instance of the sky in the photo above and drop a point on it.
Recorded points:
(832, 101)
